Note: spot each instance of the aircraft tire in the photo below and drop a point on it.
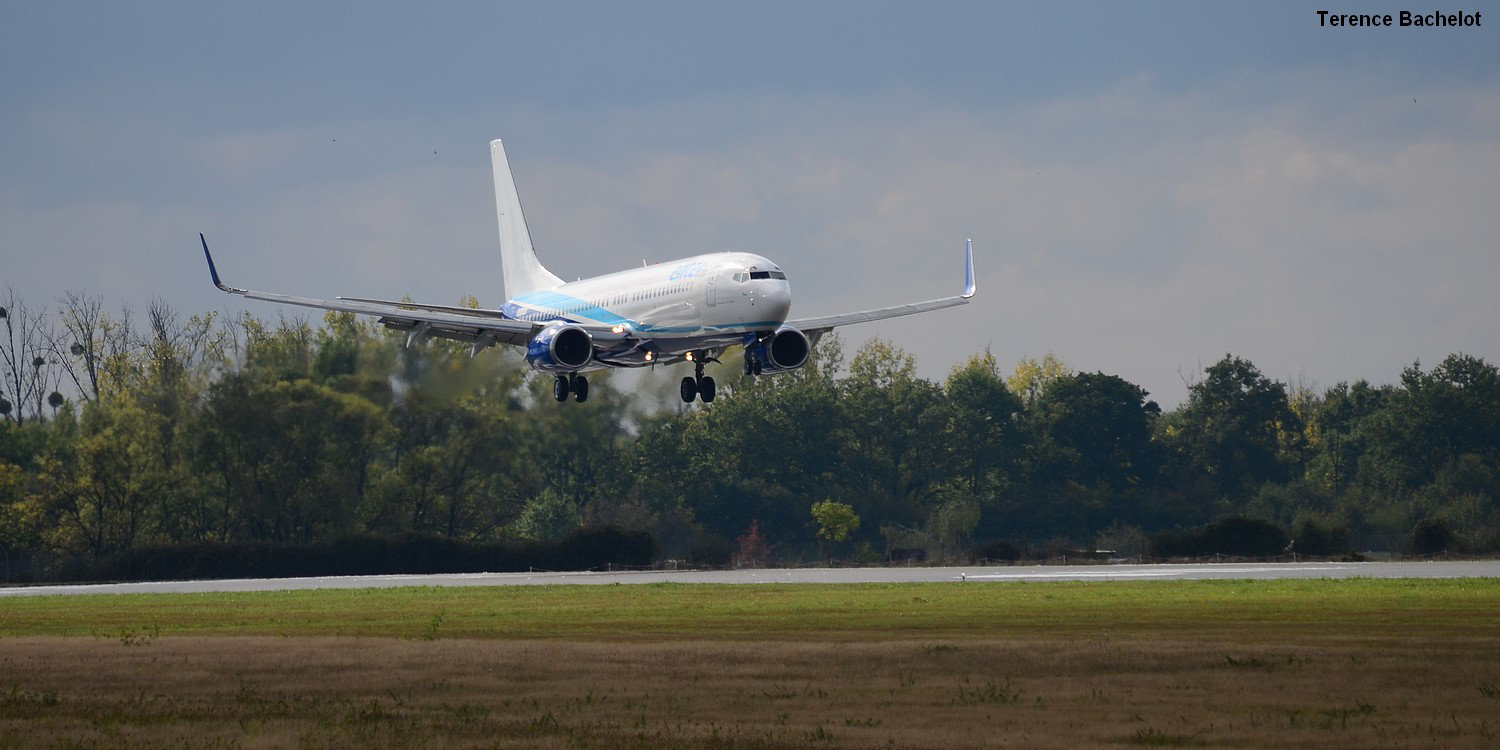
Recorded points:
(689, 390)
(560, 388)
(706, 389)
(580, 388)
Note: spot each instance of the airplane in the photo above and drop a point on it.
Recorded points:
(688, 310)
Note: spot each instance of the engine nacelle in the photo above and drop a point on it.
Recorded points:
(784, 350)
(560, 348)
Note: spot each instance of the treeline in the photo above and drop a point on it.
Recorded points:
(181, 434)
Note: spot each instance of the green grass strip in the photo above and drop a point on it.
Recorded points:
(1334, 608)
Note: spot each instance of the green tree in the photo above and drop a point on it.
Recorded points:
(572, 450)
(765, 451)
(22, 519)
(451, 468)
(1233, 427)
(546, 517)
(836, 521)
(890, 454)
(1090, 455)
(981, 428)
(285, 352)
(107, 487)
(286, 460)
(950, 526)
(1338, 432)
(1434, 418)
(1031, 376)
(983, 442)
(1097, 430)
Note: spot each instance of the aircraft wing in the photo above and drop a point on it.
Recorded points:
(479, 327)
(816, 327)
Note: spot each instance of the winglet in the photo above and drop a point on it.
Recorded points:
(968, 268)
(214, 272)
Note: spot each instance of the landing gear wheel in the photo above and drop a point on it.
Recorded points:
(689, 390)
(755, 367)
(706, 389)
(560, 388)
(580, 388)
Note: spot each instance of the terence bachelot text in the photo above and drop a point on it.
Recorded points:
(1434, 19)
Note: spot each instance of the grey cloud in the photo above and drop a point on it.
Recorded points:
(1136, 231)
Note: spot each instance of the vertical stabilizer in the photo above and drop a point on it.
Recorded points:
(523, 272)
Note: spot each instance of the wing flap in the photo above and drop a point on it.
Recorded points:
(397, 312)
(433, 308)
(466, 334)
(442, 321)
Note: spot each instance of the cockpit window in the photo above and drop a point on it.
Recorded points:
(767, 275)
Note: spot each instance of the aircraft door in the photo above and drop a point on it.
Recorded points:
(712, 299)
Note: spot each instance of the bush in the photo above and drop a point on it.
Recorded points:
(1319, 537)
(1235, 536)
(710, 549)
(997, 549)
(585, 549)
(1123, 539)
(1432, 536)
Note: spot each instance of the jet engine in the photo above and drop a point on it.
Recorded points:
(560, 348)
(784, 350)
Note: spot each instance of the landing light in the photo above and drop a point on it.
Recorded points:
(649, 356)
(690, 356)
(618, 329)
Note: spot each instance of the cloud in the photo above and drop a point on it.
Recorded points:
(1213, 223)
(1136, 230)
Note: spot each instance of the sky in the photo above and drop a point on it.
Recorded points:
(1149, 185)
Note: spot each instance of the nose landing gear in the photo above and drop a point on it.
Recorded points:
(752, 363)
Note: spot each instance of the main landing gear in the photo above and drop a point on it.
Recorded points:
(576, 383)
(699, 386)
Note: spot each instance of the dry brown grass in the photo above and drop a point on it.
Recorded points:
(1208, 689)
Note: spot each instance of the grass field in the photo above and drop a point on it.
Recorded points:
(1352, 663)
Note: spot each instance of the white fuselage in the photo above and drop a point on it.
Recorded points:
(697, 303)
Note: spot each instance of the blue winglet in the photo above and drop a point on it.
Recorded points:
(968, 268)
(214, 272)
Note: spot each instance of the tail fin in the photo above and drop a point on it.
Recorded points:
(523, 272)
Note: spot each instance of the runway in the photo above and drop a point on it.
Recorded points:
(1017, 573)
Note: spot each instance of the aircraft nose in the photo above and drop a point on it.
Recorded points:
(778, 300)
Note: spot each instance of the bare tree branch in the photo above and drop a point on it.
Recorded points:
(27, 370)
